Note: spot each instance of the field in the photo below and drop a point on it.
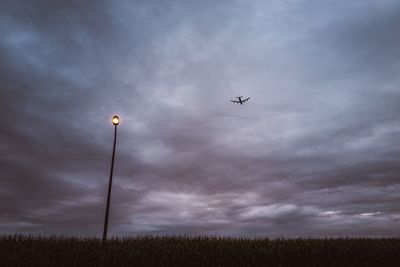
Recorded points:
(20, 250)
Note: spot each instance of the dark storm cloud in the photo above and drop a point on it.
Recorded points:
(314, 152)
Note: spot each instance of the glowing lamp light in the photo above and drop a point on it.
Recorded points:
(115, 120)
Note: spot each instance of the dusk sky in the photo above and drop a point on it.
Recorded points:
(315, 152)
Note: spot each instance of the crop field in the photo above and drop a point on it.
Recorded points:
(18, 250)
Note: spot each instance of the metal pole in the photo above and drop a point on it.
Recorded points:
(109, 188)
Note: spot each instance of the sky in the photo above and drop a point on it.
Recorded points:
(315, 152)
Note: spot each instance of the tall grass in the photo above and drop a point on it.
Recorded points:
(20, 250)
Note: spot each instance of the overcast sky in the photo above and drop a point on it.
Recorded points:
(314, 152)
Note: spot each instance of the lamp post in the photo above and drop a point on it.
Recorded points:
(115, 121)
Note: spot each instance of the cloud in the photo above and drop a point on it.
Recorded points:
(313, 153)
(270, 211)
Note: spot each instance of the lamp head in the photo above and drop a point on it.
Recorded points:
(115, 120)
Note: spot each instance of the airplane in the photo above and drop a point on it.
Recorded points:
(240, 101)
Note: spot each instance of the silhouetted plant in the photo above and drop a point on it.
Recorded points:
(18, 250)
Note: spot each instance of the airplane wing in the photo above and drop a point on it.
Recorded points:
(234, 101)
(244, 100)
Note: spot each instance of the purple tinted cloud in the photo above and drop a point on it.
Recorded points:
(314, 152)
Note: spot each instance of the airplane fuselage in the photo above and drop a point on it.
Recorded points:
(240, 100)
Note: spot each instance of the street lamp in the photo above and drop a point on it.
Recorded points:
(115, 121)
